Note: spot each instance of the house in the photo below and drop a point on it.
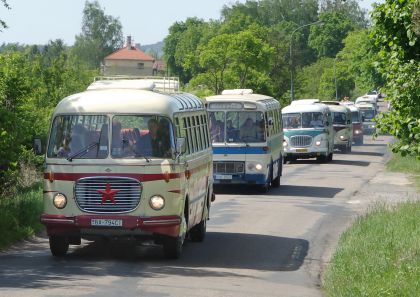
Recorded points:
(129, 60)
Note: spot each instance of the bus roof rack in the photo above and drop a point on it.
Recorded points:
(156, 83)
(304, 101)
(237, 92)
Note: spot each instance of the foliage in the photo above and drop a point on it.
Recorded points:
(350, 8)
(19, 217)
(399, 62)
(327, 39)
(359, 54)
(3, 24)
(101, 35)
(379, 255)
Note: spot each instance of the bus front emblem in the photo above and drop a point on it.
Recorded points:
(108, 194)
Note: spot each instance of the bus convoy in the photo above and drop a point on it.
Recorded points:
(134, 157)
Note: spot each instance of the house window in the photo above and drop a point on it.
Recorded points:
(140, 65)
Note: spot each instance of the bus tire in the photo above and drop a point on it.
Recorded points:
(330, 157)
(198, 232)
(276, 182)
(172, 247)
(59, 245)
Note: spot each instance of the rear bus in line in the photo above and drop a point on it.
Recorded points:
(247, 138)
(126, 158)
(369, 112)
(342, 124)
(356, 117)
(308, 131)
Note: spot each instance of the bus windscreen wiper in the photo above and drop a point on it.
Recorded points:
(83, 151)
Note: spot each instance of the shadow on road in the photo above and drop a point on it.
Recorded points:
(351, 163)
(34, 267)
(306, 191)
(375, 154)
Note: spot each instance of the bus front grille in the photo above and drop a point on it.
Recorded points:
(228, 167)
(107, 194)
(301, 140)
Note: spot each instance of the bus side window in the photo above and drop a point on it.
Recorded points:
(193, 134)
(206, 131)
(198, 133)
(186, 134)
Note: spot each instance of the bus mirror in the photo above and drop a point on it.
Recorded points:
(37, 145)
(327, 124)
(348, 122)
(180, 146)
(270, 121)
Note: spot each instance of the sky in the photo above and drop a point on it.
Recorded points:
(39, 21)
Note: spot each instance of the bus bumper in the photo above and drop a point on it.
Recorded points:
(251, 179)
(77, 225)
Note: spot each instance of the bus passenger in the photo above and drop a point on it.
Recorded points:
(249, 130)
(147, 144)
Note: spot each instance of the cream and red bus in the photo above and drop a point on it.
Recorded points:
(128, 158)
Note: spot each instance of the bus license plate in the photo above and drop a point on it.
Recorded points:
(106, 223)
(303, 150)
(224, 176)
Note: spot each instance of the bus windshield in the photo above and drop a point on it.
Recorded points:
(303, 120)
(355, 117)
(368, 114)
(237, 126)
(84, 136)
(339, 118)
(136, 136)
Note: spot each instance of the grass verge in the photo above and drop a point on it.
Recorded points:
(407, 165)
(19, 215)
(379, 255)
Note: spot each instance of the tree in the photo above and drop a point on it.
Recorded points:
(101, 35)
(3, 24)
(359, 54)
(393, 30)
(327, 39)
(350, 8)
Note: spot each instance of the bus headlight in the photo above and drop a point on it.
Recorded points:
(342, 137)
(254, 167)
(60, 201)
(318, 143)
(357, 132)
(284, 143)
(157, 202)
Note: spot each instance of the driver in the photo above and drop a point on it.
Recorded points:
(248, 129)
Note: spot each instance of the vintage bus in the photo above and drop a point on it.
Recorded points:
(356, 117)
(343, 126)
(308, 131)
(128, 159)
(369, 113)
(247, 137)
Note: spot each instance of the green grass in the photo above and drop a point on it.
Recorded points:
(379, 255)
(407, 165)
(19, 215)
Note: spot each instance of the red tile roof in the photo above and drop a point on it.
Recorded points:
(129, 53)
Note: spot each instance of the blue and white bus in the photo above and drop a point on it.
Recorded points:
(247, 138)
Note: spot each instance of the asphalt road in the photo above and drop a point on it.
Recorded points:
(273, 244)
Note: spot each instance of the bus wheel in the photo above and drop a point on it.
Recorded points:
(330, 157)
(59, 245)
(276, 182)
(198, 232)
(172, 246)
